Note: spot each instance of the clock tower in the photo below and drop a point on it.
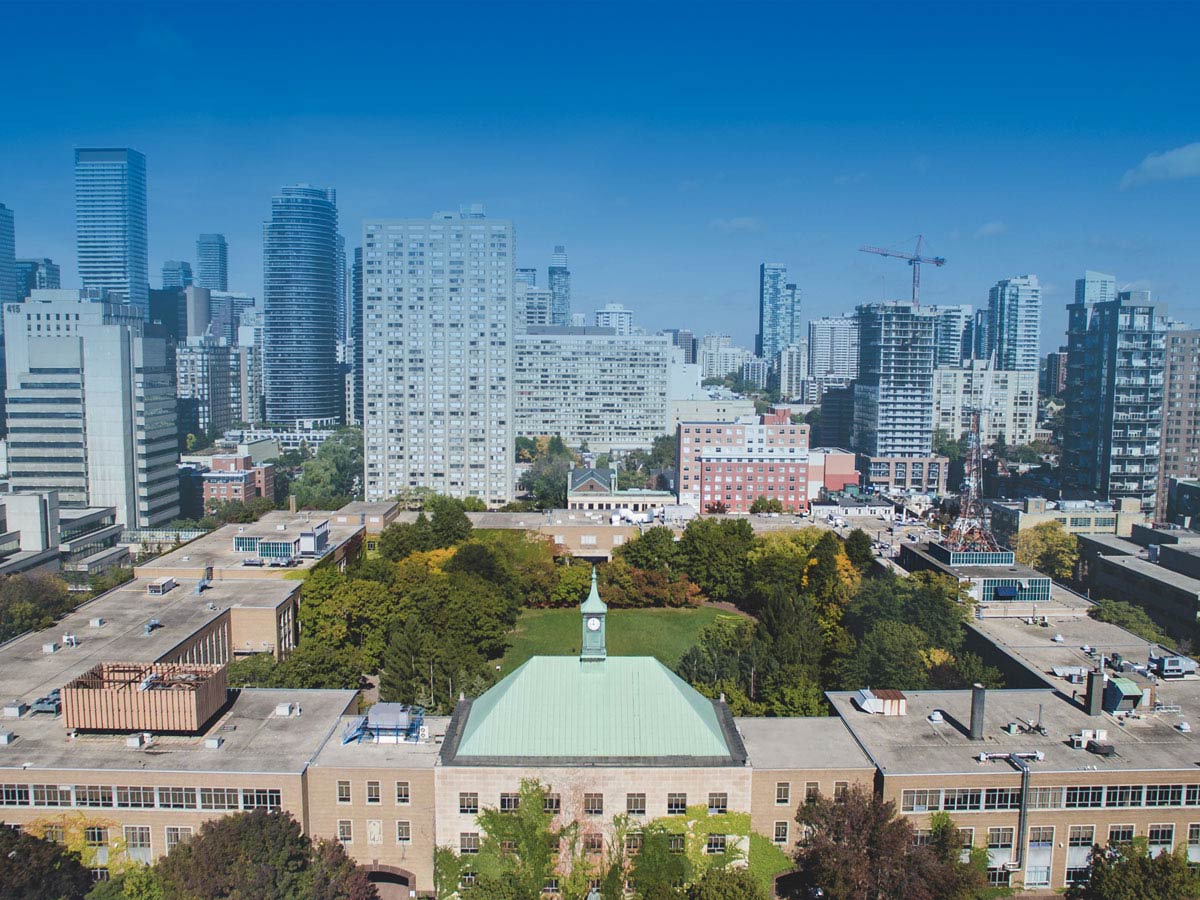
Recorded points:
(594, 612)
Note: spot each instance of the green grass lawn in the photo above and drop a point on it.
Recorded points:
(665, 633)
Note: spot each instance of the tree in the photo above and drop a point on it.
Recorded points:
(891, 655)
(765, 504)
(34, 869)
(31, 602)
(333, 477)
(726, 884)
(519, 849)
(1130, 617)
(713, 553)
(1050, 549)
(1129, 872)
(653, 550)
(401, 539)
(335, 876)
(856, 848)
(448, 521)
(658, 871)
(859, 550)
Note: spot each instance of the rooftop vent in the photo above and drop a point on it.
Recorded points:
(51, 647)
(97, 622)
(6, 738)
(139, 741)
(882, 702)
(283, 710)
(213, 743)
(936, 717)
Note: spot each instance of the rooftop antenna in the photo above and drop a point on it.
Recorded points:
(971, 530)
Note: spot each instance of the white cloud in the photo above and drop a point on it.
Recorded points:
(1182, 162)
(854, 178)
(991, 229)
(737, 223)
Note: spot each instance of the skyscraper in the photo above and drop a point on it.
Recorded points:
(778, 311)
(438, 356)
(300, 283)
(559, 277)
(615, 316)
(110, 223)
(1095, 287)
(8, 257)
(952, 333)
(37, 274)
(1114, 414)
(354, 408)
(1015, 323)
(1179, 456)
(212, 262)
(176, 274)
(833, 348)
(526, 276)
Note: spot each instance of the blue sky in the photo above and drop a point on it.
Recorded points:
(671, 147)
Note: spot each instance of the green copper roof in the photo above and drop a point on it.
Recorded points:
(593, 603)
(624, 707)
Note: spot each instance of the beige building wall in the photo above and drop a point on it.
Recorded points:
(769, 809)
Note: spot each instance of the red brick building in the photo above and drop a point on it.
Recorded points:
(232, 477)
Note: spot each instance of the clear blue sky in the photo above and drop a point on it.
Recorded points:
(671, 147)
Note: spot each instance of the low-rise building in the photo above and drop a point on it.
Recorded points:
(904, 474)
(995, 581)
(597, 490)
(234, 477)
(374, 517)
(1009, 517)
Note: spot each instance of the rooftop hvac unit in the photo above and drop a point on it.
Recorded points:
(213, 743)
(97, 622)
(138, 741)
(6, 738)
(51, 647)
(15, 710)
(283, 710)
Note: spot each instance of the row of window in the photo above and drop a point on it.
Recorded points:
(1078, 797)
(593, 843)
(138, 844)
(374, 793)
(593, 803)
(134, 797)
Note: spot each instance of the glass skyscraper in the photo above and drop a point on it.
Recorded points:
(110, 223)
(778, 311)
(300, 284)
(212, 262)
(176, 274)
(1014, 328)
(8, 254)
(560, 287)
(36, 274)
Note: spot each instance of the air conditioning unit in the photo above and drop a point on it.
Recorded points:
(283, 710)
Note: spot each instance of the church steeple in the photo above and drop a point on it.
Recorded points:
(594, 612)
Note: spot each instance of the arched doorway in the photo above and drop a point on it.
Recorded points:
(391, 882)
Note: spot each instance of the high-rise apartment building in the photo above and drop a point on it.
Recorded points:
(300, 285)
(534, 307)
(227, 310)
(36, 275)
(616, 317)
(1007, 402)
(686, 341)
(8, 257)
(438, 356)
(525, 276)
(1054, 373)
(354, 402)
(833, 348)
(559, 277)
(1095, 287)
(778, 311)
(110, 223)
(1114, 414)
(91, 406)
(176, 274)
(791, 369)
(1179, 456)
(212, 262)
(1014, 328)
(245, 363)
(204, 385)
(952, 333)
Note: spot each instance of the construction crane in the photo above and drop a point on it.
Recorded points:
(914, 260)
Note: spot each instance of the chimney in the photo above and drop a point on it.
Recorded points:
(1095, 693)
(977, 697)
(292, 504)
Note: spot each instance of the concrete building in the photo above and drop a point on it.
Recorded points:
(720, 360)
(1054, 374)
(525, 276)
(8, 258)
(212, 262)
(708, 409)
(952, 334)
(39, 535)
(36, 275)
(616, 317)
(1179, 447)
(534, 308)
(302, 432)
(590, 385)
(176, 274)
(833, 347)
(1008, 401)
(229, 311)
(791, 370)
(779, 322)
(757, 372)
(91, 406)
(1009, 517)
(559, 278)
(1014, 329)
(236, 477)
(439, 373)
(1114, 416)
(686, 341)
(204, 377)
(110, 224)
(1183, 503)
(989, 577)
(300, 291)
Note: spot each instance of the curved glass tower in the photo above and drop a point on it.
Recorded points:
(300, 283)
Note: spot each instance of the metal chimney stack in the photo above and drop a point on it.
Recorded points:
(1095, 693)
(977, 699)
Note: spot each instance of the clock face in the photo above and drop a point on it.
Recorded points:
(593, 624)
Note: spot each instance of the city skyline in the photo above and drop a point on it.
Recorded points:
(671, 214)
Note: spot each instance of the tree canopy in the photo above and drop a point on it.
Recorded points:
(1050, 549)
(33, 868)
(1127, 871)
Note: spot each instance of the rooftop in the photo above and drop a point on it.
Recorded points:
(801, 743)
(421, 755)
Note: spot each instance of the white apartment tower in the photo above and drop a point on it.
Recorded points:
(833, 347)
(438, 302)
(1014, 323)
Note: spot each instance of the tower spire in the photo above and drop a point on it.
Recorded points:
(594, 612)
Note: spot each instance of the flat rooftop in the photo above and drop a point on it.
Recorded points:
(369, 755)
(818, 742)
(26, 672)
(255, 740)
(913, 745)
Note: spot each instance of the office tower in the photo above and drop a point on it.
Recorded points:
(8, 257)
(587, 385)
(1095, 287)
(1179, 456)
(203, 379)
(534, 307)
(779, 323)
(952, 333)
(833, 348)
(36, 274)
(438, 356)
(212, 262)
(526, 276)
(227, 309)
(686, 341)
(300, 284)
(1007, 400)
(616, 317)
(92, 399)
(559, 277)
(110, 223)
(1114, 414)
(980, 335)
(893, 397)
(354, 407)
(1054, 375)
(176, 274)
(1015, 323)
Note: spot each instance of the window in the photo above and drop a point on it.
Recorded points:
(53, 834)
(676, 804)
(468, 842)
(1161, 838)
(1041, 836)
(962, 800)
(920, 801)
(812, 790)
(840, 789)
(593, 804)
(1120, 834)
(403, 797)
(635, 804)
(261, 798)
(345, 832)
(468, 878)
(552, 804)
(593, 843)
(1002, 798)
(551, 885)
(372, 791)
(14, 795)
(343, 792)
(219, 798)
(93, 795)
(1085, 797)
(922, 837)
(716, 844)
(783, 793)
(137, 843)
(998, 877)
(403, 833)
(1045, 798)
(176, 835)
(1123, 795)
(510, 802)
(633, 843)
(781, 832)
(176, 798)
(1156, 795)
(675, 843)
(1081, 836)
(95, 836)
(51, 795)
(718, 803)
(468, 804)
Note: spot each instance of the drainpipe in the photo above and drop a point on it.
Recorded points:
(1023, 817)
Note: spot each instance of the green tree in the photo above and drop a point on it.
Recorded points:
(31, 602)
(34, 869)
(713, 552)
(890, 655)
(402, 539)
(1130, 617)
(1129, 872)
(1050, 549)
(859, 550)
(448, 520)
(333, 477)
(654, 550)
(519, 849)
(765, 504)
(658, 871)
(726, 884)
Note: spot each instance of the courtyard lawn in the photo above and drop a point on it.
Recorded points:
(664, 633)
